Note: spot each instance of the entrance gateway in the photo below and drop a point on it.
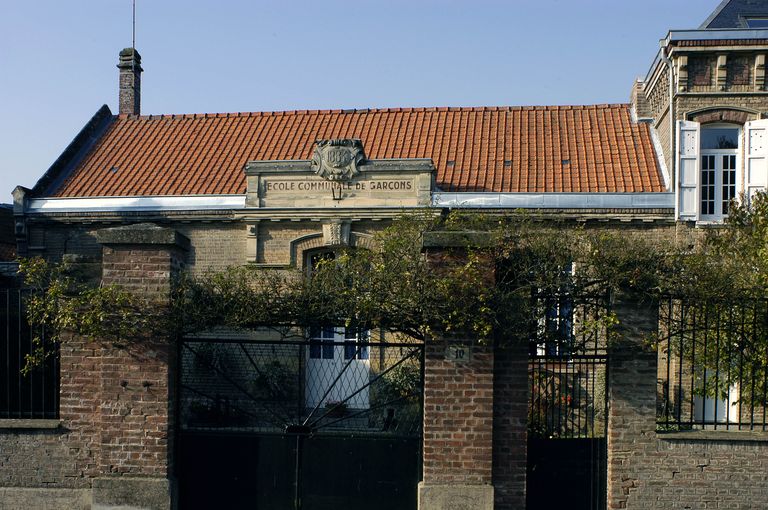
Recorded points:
(328, 422)
(567, 410)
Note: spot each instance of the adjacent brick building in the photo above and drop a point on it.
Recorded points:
(142, 198)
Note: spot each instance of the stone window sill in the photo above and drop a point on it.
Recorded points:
(715, 435)
(24, 424)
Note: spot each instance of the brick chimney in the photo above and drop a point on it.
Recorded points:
(130, 81)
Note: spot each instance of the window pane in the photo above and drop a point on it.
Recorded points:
(314, 350)
(757, 22)
(720, 138)
(350, 348)
(327, 349)
(327, 331)
(708, 185)
(729, 181)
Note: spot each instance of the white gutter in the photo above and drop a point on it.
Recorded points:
(153, 203)
(641, 200)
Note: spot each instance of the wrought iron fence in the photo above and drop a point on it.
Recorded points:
(567, 365)
(34, 394)
(333, 382)
(713, 365)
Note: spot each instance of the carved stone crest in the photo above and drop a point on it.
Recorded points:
(336, 233)
(338, 160)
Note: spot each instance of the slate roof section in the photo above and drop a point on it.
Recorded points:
(731, 13)
(594, 148)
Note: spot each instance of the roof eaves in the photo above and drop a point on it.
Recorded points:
(74, 153)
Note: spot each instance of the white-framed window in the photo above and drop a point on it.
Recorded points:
(716, 163)
(719, 151)
(337, 367)
(324, 340)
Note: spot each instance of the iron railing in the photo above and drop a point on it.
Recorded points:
(713, 365)
(32, 394)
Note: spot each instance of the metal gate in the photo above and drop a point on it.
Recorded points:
(333, 422)
(567, 413)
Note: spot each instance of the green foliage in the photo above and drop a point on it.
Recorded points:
(391, 287)
(58, 303)
(401, 382)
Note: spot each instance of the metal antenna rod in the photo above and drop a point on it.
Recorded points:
(133, 34)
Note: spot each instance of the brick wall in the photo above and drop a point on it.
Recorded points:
(686, 470)
(115, 407)
(214, 246)
(144, 270)
(134, 409)
(458, 417)
(114, 420)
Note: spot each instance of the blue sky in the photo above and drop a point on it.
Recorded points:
(57, 58)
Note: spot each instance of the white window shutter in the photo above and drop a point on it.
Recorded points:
(756, 156)
(688, 149)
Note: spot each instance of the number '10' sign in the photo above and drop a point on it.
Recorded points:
(458, 353)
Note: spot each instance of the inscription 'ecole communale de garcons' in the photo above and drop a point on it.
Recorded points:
(298, 186)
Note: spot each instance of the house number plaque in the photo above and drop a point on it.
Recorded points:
(458, 353)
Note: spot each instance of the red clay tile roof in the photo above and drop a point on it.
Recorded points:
(506, 149)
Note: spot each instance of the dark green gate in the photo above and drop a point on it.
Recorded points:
(567, 413)
(333, 422)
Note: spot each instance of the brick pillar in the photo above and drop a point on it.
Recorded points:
(510, 425)
(458, 428)
(135, 417)
(458, 409)
(632, 399)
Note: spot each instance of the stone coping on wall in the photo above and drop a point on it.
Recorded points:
(142, 234)
(715, 435)
(29, 424)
